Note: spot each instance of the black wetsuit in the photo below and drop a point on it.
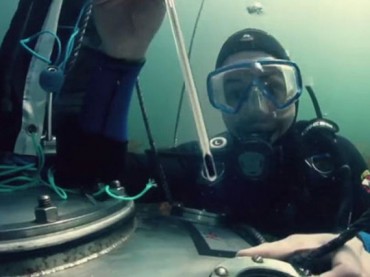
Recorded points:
(292, 196)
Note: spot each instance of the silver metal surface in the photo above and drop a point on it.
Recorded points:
(198, 216)
(78, 218)
(161, 246)
(19, 206)
(240, 266)
(32, 243)
(84, 231)
(59, 259)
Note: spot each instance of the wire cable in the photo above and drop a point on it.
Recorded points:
(32, 175)
(79, 39)
(314, 101)
(148, 186)
(158, 164)
(70, 49)
(35, 179)
(110, 192)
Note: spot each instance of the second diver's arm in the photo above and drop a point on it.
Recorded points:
(350, 260)
(127, 27)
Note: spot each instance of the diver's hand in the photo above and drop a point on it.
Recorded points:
(350, 260)
(127, 27)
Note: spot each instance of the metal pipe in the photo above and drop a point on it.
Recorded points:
(208, 162)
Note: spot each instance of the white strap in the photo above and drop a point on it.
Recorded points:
(34, 97)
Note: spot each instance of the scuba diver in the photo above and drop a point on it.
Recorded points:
(277, 174)
(270, 166)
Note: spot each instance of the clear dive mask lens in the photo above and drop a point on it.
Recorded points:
(279, 81)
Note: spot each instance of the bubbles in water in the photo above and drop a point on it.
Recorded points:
(255, 8)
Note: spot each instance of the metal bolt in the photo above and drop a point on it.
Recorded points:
(44, 201)
(115, 184)
(46, 212)
(52, 69)
(304, 272)
(257, 259)
(221, 271)
(31, 129)
(178, 204)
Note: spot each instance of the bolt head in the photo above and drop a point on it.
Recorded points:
(221, 271)
(257, 259)
(116, 184)
(46, 214)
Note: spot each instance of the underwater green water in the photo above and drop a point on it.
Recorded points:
(329, 40)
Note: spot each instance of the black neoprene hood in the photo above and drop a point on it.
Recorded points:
(251, 40)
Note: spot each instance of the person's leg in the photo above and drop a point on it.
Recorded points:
(92, 144)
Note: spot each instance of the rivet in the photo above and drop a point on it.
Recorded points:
(221, 271)
(257, 259)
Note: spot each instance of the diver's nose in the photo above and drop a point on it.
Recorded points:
(256, 102)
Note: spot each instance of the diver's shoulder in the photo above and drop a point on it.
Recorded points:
(217, 143)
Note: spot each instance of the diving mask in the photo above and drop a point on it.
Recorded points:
(279, 81)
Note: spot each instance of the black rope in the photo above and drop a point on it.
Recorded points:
(314, 101)
(81, 34)
(251, 232)
(153, 147)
